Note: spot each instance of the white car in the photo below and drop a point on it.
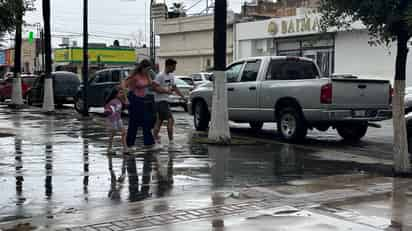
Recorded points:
(187, 79)
(408, 100)
(185, 89)
(201, 78)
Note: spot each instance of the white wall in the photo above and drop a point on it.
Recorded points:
(353, 55)
(189, 40)
(187, 65)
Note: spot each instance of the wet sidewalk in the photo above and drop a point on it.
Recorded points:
(55, 174)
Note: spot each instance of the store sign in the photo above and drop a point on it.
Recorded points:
(106, 55)
(294, 26)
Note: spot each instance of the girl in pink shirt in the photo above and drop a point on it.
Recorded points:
(113, 110)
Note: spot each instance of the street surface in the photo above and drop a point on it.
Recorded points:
(55, 174)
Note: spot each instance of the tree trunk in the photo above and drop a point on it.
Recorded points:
(17, 95)
(401, 155)
(219, 128)
(48, 97)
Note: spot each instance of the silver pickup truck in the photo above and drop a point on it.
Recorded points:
(291, 92)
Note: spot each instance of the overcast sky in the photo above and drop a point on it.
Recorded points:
(108, 19)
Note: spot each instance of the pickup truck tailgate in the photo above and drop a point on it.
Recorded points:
(360, 93)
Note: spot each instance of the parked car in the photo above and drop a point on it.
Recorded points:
(29, 79)
(187, 79)
(185, 89)
(100, 85)
(408, 100)
(202, 78)
(65, 85)
(291, 92)
(6, 86)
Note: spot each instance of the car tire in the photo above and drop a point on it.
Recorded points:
(201, 116)
(291, 125)
(79, 105)
(256, 125)
(29, 100)
(353, 132)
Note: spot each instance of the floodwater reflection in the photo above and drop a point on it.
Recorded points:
(18, 163)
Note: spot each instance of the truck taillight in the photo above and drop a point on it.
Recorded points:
(391, 92)
(326, 94)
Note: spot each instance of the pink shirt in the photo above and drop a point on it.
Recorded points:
(113, 110)
(141, 82)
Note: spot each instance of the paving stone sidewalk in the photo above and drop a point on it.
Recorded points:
(269, 201)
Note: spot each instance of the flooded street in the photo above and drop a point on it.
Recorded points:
(59, 164)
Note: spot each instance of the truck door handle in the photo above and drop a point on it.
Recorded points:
(361, 86)
(252, 88)
(231, 89)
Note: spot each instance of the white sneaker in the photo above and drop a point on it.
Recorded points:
(173, 146)
(154, 147)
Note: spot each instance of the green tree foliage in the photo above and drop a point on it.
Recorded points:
(387, 21)
(384, 19)
(9, 11)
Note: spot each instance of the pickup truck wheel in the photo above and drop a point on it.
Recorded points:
(291, 125)
(201, 116)
(352, 131)
(256, 126)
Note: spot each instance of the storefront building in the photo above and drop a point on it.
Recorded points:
(336, 52)
(71, 59)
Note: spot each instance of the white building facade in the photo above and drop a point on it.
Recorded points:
(189, 40)
(342, 52)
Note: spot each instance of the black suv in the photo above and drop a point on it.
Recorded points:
(100, 85)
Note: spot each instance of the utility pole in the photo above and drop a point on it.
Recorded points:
(152, 35)
(48, 97)
(43, 59)
(85, 57)
(17, 95)
(219, 128)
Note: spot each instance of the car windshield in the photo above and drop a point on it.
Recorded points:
(181, 83)
(187, 80)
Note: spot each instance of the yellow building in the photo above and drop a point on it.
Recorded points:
(72, 58)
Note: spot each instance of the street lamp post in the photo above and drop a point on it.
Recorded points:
(85, 58)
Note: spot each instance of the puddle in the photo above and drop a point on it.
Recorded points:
(59, 162)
